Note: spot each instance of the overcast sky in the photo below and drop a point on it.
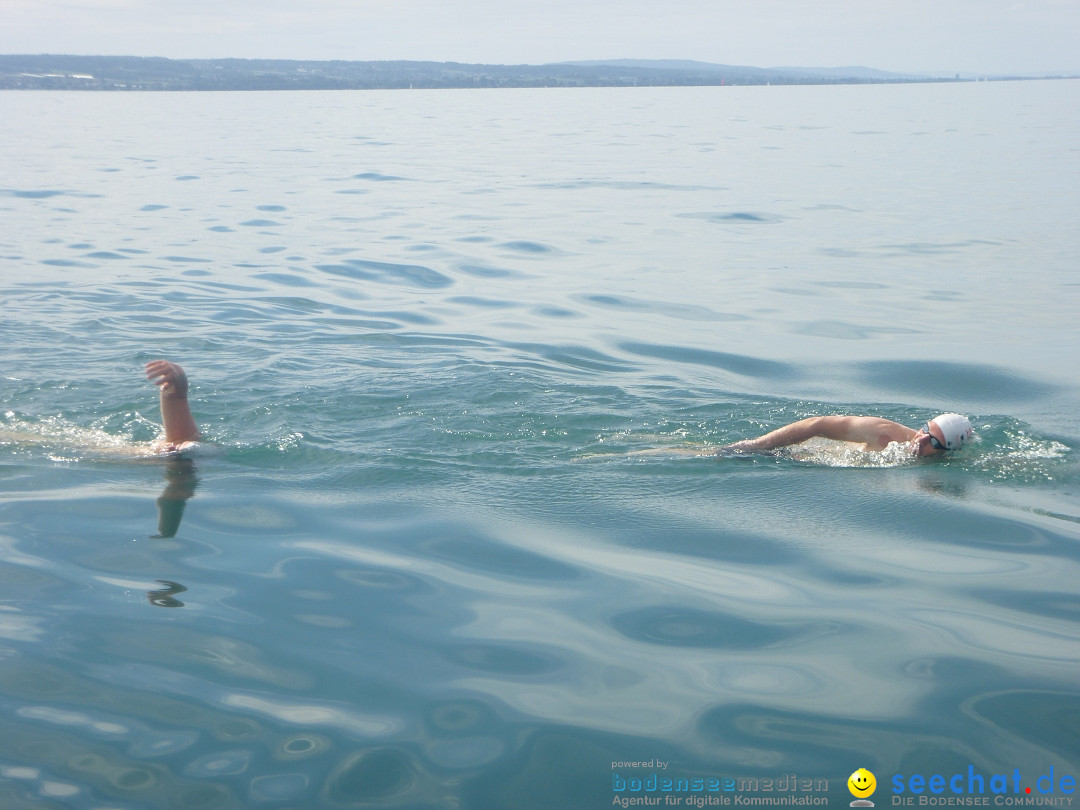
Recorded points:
(979, 36)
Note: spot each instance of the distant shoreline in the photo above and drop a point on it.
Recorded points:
(132, 73)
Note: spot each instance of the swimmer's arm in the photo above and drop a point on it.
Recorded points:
(176, 415)
(873, 432)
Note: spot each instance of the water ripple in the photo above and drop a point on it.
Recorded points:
(947, 380)
(461, 542)
(412, 275)
(737, 364)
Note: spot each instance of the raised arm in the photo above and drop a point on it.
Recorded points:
(179, 424)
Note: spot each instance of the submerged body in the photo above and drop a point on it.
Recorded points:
(69, 441)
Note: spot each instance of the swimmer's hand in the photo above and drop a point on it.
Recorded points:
(169, 377)
(171, 380)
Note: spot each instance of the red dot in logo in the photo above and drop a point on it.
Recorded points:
(1027, 790)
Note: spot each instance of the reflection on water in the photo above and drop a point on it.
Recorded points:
(164, 596)
(59, 440)
(180, 473)
(347, 650)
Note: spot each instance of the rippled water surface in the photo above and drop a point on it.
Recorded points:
(452, 542)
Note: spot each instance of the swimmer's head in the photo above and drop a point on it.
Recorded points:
(945, 432)
(950, 431)
(955, 429)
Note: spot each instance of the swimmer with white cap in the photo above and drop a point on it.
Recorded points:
(944, 433)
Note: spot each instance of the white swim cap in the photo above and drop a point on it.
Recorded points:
(955, 428)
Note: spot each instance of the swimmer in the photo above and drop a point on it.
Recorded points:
(181, 432)
(950, 431)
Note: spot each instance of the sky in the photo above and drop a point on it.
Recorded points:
(907, 36)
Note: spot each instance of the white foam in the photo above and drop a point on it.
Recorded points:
(62, 440)
(831, 453)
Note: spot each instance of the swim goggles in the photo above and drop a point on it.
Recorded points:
(935, 442)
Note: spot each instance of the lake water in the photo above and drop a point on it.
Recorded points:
(450, 347)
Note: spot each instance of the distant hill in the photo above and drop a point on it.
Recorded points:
(68, 72)
(778, 75)
(687, 71)
(859, 73)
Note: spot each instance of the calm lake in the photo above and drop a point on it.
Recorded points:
(454, 539)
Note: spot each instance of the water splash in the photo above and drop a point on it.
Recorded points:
(59, 439)
(1023, 457)
(829, 453)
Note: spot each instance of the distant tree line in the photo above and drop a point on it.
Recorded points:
(49, 72)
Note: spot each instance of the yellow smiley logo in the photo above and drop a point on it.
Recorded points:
(862, 783)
